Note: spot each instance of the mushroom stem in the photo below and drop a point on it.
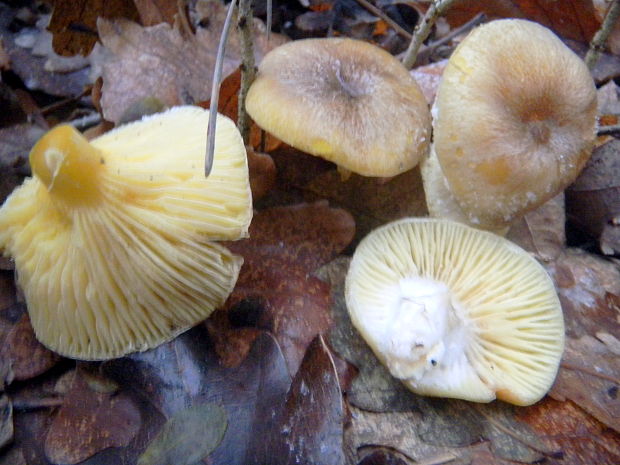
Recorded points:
(68, 165)
(426, 330)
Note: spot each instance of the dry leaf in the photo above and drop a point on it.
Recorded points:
(593, 200)
(74, 22)
(586, 286)
(90, 421)
(287, 244)
(578, 438)
(312, 421)
(159, 62)
(27, 356)
(153, 12)
(541, 231)
(590, 377)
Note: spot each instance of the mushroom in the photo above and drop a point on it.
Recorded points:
(455, 311)
(514, 123)
(113, 238)
(345, 100)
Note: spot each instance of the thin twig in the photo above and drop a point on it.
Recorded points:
(86, 121)
(609, 130)
(269, 18)
(426, 52)
(598, 41)
(423, 29)
(215, 89)
(380, 14)
(248, 70)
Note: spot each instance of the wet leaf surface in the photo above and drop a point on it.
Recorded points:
(187, 437)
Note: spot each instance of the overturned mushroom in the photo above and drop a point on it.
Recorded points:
(514, 124)
(458, 312)
(345, 100)
(113, 239)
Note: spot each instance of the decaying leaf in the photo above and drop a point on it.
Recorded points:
(287, 244)
(311, 426)
(588, 287)
(186, 372)
(188, 437)
(158, 61)
(74, 23)
(153, 12)
(90, 421)
(6, 421)
(372, 201)
(593, 200)
(590, 377)
(541, 231)
(577, 437)
(27, 356)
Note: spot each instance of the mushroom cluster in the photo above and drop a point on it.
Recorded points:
(345, 100)
(114, 240)
(458, 312)
(514, 122)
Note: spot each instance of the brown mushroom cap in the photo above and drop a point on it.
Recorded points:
(112, 239)
(345, 100)
(514, 120)
(458, 312)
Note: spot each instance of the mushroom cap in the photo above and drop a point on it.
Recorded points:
(457, 312)
(345, 100)
(112, 239)
(514, 120)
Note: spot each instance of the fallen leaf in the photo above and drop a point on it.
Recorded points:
(578, 438)
(381, 457)
(286, 245)
(153, 12)
(590, 377)
(311, 427)
(428, 77)
(572, 19)
(6, 421)
(541, 231)
(90, 421)
(593, 200)
(188, 437)
(27, 356)
(13, 456)
(186, 372)
(372, 201)
(74, 23)
(262, 173)
(158, 61)
(586, 285)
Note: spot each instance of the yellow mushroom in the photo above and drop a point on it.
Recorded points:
(113, 239)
